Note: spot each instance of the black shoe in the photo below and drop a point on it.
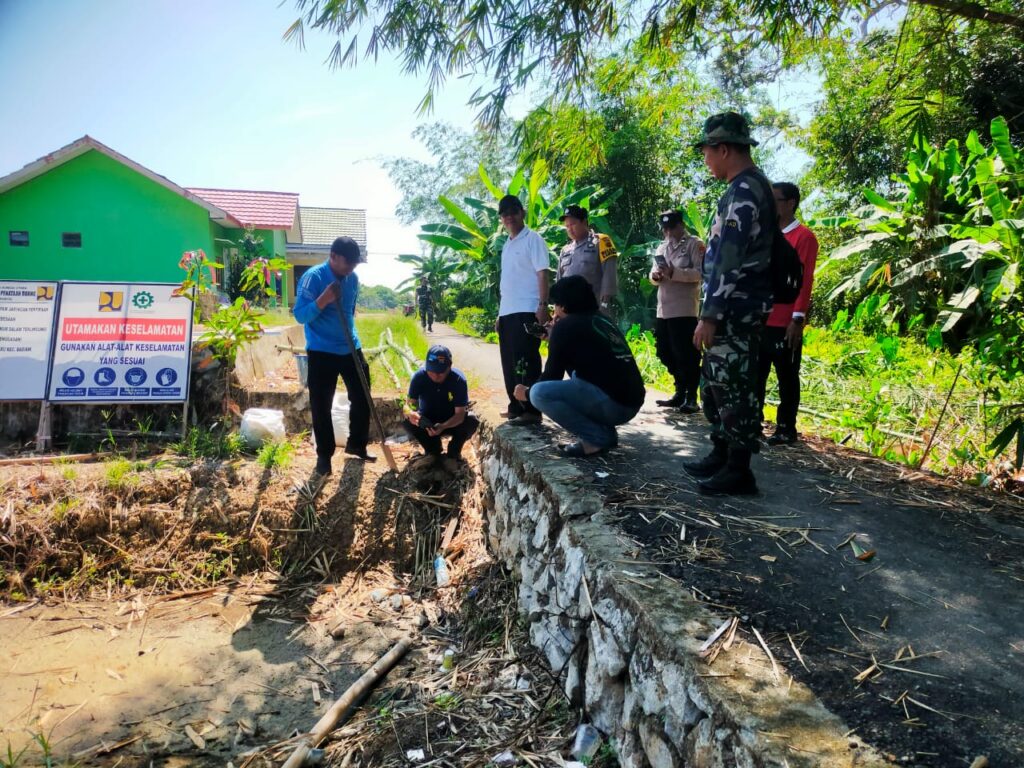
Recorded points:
(673, 402)
(323, 467)
(369, 458)
(730, 481)
(710, 464)
(783, 436)
(690, 406)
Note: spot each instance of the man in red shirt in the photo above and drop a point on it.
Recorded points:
(783, 335)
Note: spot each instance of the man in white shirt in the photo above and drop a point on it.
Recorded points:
(525, 262)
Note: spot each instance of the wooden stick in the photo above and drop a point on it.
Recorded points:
(341, 707)
(361, 374)
(54, 459)
(938, 422)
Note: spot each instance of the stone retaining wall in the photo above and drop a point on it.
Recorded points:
(627, 638)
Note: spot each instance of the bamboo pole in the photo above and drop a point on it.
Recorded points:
(341, 707)
(76, 457)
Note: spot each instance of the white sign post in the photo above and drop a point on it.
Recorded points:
(121, 342)
(26, 328)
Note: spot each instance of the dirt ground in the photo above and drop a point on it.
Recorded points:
(182, 615)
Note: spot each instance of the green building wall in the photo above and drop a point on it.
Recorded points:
(132, 228)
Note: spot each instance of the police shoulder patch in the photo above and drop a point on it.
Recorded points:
(605, 247)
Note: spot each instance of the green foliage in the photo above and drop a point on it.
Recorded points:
(931, 76)
(209, 443)
(379, 297)
(651, 368)
(437, 266)
(447, 702)
(478, 237)
(374, 330)
(119, 474)
(474, 321)
(276, 454)
(948, 246)
(199, 278)
(559, 39)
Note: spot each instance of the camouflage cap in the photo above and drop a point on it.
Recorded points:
(726, 128)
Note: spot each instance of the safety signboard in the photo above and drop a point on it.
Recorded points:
(121, 342)
(26, 328)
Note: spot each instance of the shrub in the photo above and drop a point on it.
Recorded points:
(474, 321)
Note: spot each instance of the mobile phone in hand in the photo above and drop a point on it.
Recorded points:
(426, 423)
(661, 262)
(536, 329)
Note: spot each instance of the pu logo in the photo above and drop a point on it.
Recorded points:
(111, 301)
(44, 293)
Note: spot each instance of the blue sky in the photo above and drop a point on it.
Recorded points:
(208, 94)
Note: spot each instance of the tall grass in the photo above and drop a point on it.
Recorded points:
(372, 328)
(886, 394)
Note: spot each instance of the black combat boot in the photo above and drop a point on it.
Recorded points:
(711, 463)
(689, 405)
(673, 402)
(734, 479)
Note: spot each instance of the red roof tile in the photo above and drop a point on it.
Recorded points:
(263, 210)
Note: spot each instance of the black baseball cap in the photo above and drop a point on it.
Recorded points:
(439, 359)
(509, 204)
(577, 212)
(668, 219)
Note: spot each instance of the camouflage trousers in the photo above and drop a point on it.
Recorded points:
(729, 382)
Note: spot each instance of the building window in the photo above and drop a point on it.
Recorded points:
(18, 239)
(71, 239)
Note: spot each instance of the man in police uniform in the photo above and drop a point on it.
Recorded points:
(589, 254)
(737, 299)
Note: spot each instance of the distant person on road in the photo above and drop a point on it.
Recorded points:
(677, 273)
(525, 264)
(604, 388)
(590, 254)
(783, 338)
(327, 293)
(425, 302)
(438, 405)
(737, 299)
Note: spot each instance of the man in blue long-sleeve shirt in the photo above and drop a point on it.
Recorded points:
(322, 290)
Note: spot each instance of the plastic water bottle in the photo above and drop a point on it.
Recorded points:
(441, 574)
(588, 739)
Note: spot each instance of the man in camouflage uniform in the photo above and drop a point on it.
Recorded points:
(590, 254)
(425, 303)
(737, 299)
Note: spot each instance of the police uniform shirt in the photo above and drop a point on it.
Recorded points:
(595, 258)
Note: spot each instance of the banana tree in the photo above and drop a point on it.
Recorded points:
(476, 235)
(952, 239)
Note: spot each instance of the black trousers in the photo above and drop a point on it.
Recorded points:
(426, 315)
(775, 351)
(324, 369)
(432, 444)
(673, 337)
(520, 357)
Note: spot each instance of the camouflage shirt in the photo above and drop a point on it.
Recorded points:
(596, 259)
(423, 297)
(736, 266)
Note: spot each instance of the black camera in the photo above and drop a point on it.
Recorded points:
(536, 329)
